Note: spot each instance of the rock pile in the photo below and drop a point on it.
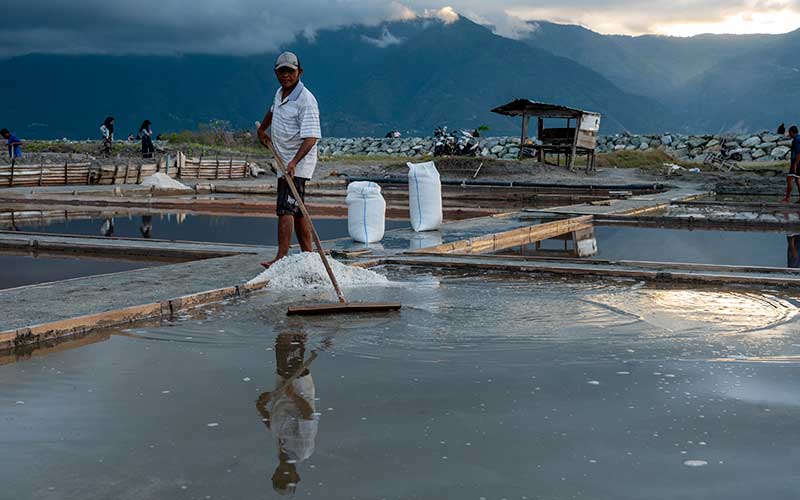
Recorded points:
(410, 147)
(764, 146)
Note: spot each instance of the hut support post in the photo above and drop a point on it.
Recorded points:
(540, 131)
(575, 142)
(524, 137)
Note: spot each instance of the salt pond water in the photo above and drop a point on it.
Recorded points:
(482, 386)
(18, 270)
(189, 227)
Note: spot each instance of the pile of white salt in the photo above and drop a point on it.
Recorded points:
(160, 180)
(306, 271)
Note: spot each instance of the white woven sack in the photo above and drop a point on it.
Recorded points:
(366, 212)
(424, 196)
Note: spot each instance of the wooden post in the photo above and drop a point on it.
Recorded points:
(116, 170)
(127, 167)
(230, 168)
(575, 142)
(216, 172)
(66, 181)
(11, 179)
(524, 137)
(41, 172)
(539, 136)
(139, 175)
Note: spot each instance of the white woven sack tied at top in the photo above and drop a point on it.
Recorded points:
(366, 212)
(424, 196)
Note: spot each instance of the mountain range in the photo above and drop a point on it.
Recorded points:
(414, 75)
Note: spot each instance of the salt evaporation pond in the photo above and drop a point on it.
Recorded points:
(190, 227)
(736, 248)
(482, 387)
(22, 270)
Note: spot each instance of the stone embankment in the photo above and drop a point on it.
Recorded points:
(764, 146)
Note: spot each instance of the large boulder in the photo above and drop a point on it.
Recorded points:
(758, 153)
(696, 142)
(751, 141)
(780, 152)
(771, 137)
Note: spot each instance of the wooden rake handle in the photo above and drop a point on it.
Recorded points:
(314, 235)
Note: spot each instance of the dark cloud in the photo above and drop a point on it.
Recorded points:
(253, 26)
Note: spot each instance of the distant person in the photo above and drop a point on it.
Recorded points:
(146, 229)
(794, 165)
(13, 143)
(146, 134)
(107, 132)
(131, 138)
(293, 123)
(782, 129)
(289, 411)
(793, 251)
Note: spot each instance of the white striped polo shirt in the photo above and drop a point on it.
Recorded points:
(294, 119)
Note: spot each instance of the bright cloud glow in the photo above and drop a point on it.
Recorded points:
(257, 26)
(679, 18)
(774, 22)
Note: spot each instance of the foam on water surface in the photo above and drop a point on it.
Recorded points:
(306, 271)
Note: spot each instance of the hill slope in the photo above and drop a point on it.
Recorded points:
(413, 75)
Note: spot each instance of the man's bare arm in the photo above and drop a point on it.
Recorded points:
(307, 145)
(262, 129)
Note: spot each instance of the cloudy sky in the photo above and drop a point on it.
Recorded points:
(252, 26)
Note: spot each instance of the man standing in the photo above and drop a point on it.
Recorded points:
(14, 144)
(794, 164)
(293, 123)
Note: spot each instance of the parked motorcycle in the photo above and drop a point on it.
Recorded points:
(462, 143)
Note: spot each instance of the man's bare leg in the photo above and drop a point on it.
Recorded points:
(285, 224)
(788, 197)
(302, 228)
(797, 182)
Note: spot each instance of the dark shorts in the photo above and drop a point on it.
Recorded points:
(286, 204)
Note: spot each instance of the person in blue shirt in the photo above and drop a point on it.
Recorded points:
(14, 144)
(794, 164)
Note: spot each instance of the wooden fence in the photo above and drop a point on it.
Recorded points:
(122, 172)
(212, 167)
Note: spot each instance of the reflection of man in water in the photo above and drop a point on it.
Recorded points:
(147, 226)
(288, 411)
(793, 252)
(107, 229)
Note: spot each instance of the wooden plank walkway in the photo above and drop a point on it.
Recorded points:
(648, 271)
(41, 312)
(124, 248)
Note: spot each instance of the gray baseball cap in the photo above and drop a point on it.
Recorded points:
(287, 60)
